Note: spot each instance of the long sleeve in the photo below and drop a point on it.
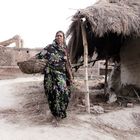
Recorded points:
(42, 53)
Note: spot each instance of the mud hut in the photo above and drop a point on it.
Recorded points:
(113, 32)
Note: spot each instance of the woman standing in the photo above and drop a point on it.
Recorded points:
(57, 76)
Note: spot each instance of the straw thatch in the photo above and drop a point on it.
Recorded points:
(32, 66)
(107, 24)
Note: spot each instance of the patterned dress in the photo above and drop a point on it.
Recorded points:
(55, 79)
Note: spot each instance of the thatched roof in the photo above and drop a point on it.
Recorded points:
(104, 19)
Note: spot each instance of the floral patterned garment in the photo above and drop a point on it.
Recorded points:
(55, 85)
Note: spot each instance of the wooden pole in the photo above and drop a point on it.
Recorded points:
(87, 101)
(106, 73)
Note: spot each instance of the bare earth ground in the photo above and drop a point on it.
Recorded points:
(24, 115)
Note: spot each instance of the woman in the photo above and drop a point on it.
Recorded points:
(57, 76)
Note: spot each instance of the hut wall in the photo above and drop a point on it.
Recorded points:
(130, 62)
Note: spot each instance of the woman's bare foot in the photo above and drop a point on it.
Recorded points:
(58, 119)
(55, 123)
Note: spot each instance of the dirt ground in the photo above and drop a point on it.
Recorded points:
(24, 114)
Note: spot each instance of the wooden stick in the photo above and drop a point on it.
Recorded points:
(106, 72)
(87, 101)
(76, 66)
(137, 94)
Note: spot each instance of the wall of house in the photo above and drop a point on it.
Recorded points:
(10, 56)
(130, 62)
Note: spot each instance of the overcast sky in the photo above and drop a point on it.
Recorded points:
(36, 21)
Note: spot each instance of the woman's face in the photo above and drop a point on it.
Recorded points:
(59, 38)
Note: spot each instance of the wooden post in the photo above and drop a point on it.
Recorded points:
(87, 101)
(106, 73)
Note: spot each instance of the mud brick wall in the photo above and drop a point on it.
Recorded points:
(130, 62)
(10, 56)
(92, 71)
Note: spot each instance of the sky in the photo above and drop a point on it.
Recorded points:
(37, 21)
